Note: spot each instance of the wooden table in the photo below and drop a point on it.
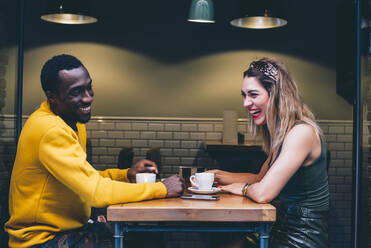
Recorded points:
(229, 208)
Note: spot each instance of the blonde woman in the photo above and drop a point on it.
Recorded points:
(295, 172)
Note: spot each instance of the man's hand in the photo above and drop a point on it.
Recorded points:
(143, 166)
(174, 186)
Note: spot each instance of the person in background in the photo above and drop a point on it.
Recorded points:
(295, 171)
(53, 187)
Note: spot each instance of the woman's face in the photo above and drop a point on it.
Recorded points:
(255, 99)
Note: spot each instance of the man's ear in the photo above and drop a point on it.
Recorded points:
(51, 97)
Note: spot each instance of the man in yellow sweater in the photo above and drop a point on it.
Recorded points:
(53, 187)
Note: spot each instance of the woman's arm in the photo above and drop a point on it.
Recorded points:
(226, 178)
(301, 145)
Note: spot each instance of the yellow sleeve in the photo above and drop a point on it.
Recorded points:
(81, 134)
(63, 156)
(115, 174)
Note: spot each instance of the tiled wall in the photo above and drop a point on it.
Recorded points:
(181, 140)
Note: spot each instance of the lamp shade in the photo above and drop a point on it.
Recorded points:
(262, 14)
(201, 11)
(68, 12)
(258, 22)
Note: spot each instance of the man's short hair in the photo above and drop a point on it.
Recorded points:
(49, 73)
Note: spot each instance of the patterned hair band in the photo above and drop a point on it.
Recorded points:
(266, 68)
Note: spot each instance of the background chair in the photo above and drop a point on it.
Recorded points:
(154, 155)
(125, 159)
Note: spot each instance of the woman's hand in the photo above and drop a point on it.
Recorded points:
(234, 188)
(222, 177)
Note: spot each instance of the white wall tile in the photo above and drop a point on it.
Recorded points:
(132, 135)
(172, 127)
(189, 144)
(115, 134)
(114, 151)
(214, 136)
(336, 129)
(99, 134)
(181, 135)
(92, 125)
(156, 143)
(106, 125)
(156, 126)
(197, 136)
(148, 135)
(189, 127)
(172, 143)
(99, 150)
(172, 161)
(164, 135)
(180, 152)
(140, 143)
(167, 152)
(139, 126)
(106, 142)
(205, 127)
(187, 161)
(218, 127)
(345, 138)
(123, 143)
(123, 125)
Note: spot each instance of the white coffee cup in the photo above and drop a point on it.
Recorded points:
(202, 181)
(146, 177)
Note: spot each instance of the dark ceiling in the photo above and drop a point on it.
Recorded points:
(159, 29)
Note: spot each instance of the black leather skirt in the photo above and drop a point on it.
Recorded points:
(300, 227)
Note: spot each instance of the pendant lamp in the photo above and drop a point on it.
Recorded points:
(262, 14)
(68, 12)
(201, 11)
(259, 22)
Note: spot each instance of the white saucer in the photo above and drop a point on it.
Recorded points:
(213, 190)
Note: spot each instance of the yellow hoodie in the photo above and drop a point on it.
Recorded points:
(53, 187)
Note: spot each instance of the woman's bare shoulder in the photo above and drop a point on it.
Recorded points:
(301, 134)
(303, 129)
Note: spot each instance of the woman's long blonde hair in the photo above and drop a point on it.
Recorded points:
(285, 107)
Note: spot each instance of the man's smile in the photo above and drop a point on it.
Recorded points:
(85, 110)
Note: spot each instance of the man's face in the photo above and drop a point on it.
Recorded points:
(73, 100)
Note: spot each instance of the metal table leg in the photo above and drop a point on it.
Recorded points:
(118, 235)
(120, 229)
(264, 234)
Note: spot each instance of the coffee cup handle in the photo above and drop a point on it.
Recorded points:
(192, 180)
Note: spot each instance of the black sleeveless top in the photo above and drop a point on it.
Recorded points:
(308, 187)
